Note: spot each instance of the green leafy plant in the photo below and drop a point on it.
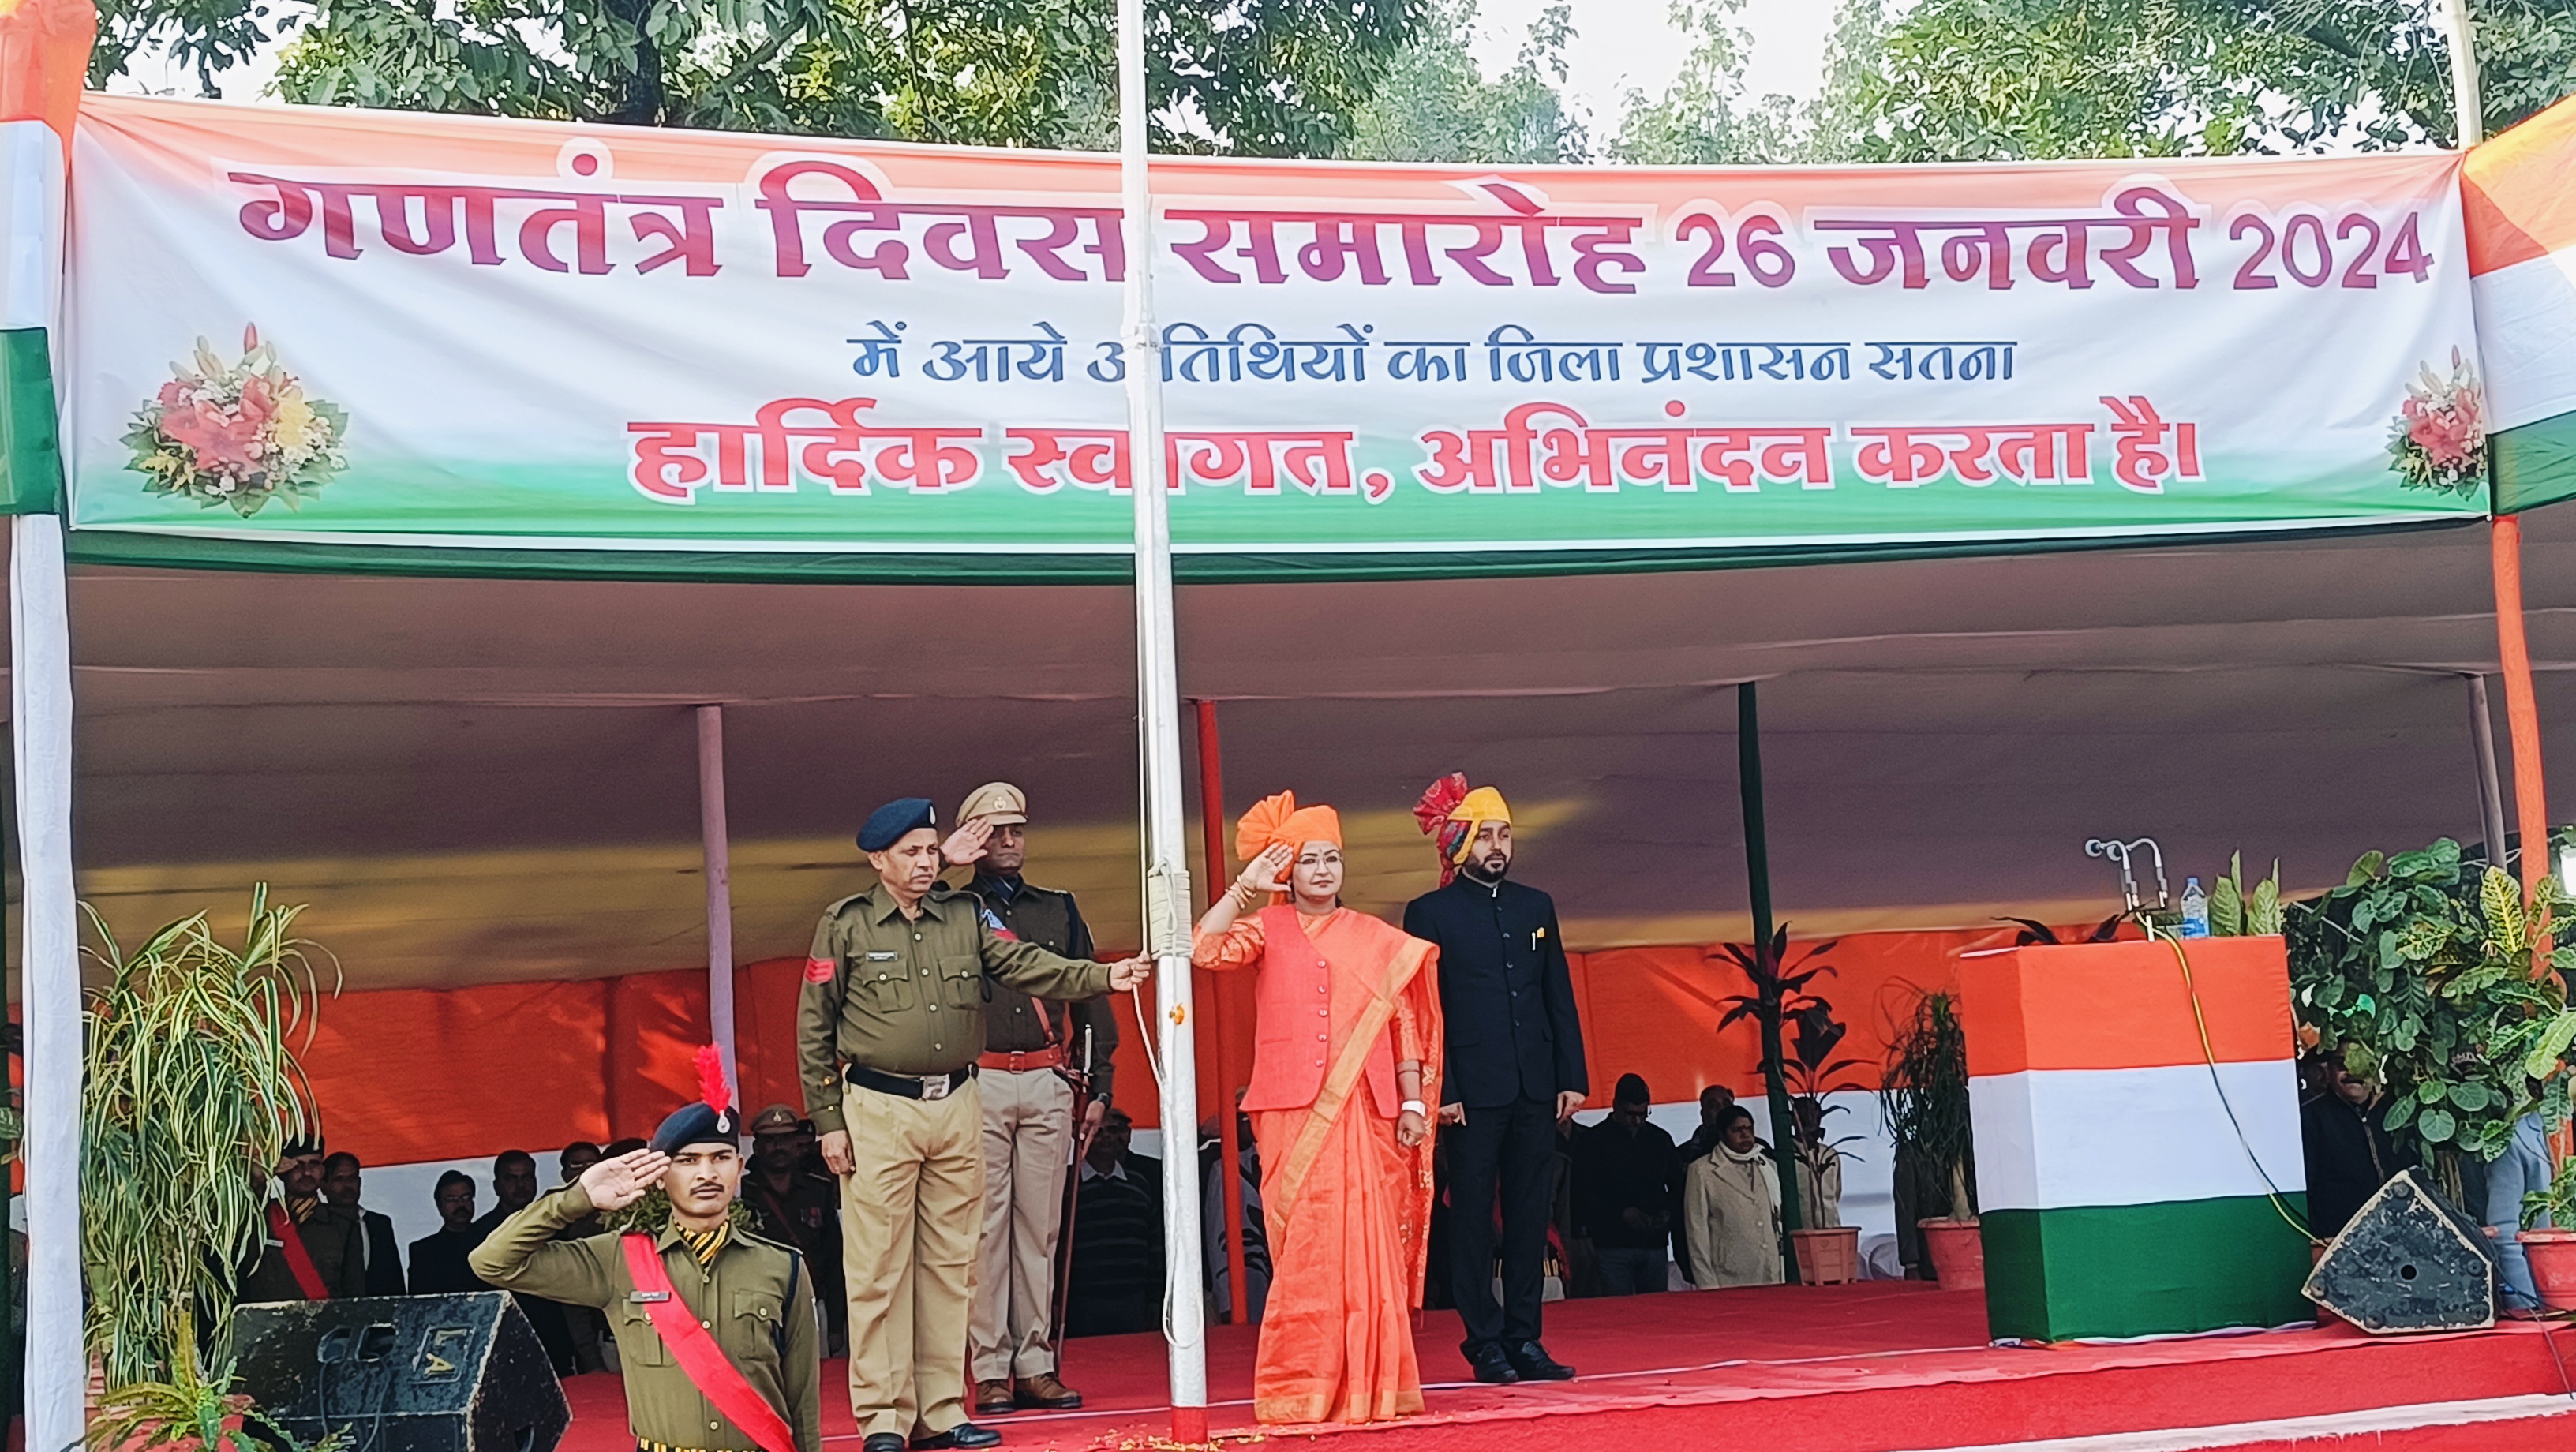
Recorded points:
(2417, 974)
(2036, 934)
(2235, 912)
(2556, 1205)
(1779, 989)
(189, 1092)
(1924, 1098)
(195, 1409)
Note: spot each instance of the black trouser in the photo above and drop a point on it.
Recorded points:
(1510, 1148)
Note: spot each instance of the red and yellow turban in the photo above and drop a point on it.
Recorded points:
(1449, 812)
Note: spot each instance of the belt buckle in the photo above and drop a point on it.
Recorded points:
(936, 1087)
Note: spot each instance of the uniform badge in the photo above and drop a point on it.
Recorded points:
(820, 970)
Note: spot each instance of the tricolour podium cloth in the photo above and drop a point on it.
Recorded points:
(2128, 1184)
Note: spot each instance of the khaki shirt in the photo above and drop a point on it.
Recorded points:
(744, 1301)
(906, 995)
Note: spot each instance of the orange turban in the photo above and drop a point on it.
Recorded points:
(1274, 820)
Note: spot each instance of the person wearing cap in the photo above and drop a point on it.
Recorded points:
(889, 1026)
(1516, 1071)
(799, 1206)
(1028, 1113)
(1345, 1064)
(714, 1325)
(327, 1257)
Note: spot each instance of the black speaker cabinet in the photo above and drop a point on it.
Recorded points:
(2408, 1261)
(461, 1373)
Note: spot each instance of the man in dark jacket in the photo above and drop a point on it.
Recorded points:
(340, 1187)
(2349, 1156)
(1623, 1192)
(1514, 1071)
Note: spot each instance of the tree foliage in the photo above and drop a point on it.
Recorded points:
(1435, 104)
(1250, 77)
(1704, 117)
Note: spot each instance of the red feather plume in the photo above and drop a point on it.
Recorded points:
(711, 1079)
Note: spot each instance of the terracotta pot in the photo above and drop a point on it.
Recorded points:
(1827, 1257)
(1958, 1253)
(2552, 1254)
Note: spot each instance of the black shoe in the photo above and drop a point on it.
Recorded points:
(1492, 1366)
(883, 1442)
(965, 1436)
(1534, 1364)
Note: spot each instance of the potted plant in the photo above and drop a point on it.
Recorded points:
(1779, 985)
(2418, 974)
(2551, 1249)
(1828, 1251)
(189, 1090)
(1924, 1100)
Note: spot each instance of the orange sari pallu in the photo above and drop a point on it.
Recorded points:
(1342, 1000)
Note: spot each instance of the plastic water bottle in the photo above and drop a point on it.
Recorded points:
(2195, 909)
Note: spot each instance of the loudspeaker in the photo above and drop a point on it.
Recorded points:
(460, 1373)
(2409, 1261)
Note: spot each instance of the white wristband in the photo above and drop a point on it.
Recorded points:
(1414, 1106)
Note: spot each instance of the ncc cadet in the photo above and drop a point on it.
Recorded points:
(889, 1026)
(1029, 1128)
(714, 1326)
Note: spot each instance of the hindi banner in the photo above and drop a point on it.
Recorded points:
(348, 330)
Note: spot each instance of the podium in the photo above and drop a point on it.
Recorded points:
(2126, 1186)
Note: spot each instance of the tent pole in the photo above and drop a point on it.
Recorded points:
(1229, 1124)
(40, 690)
(2521, 706)
(716, 844)
(1757, 872)
(2490, 789)
(1158, 711)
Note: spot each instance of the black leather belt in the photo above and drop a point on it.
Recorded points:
(911, 1086)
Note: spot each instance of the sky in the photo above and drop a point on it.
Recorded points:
(1618, 44)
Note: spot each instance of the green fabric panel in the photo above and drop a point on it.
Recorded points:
(2535, 464)
(30, 448)
(2144, 1270)
(429, 558)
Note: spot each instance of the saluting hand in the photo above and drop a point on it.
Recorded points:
(966, 844)
(618, 1183)
(1128, 973)
(1269, 871)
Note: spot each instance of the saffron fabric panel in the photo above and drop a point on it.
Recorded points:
(565, 348)
(2522, 262)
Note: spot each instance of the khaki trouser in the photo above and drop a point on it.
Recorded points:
(1028, 1131)
(910, 1209)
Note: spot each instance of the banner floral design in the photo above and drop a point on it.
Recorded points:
(237, 435)
(2439, 439)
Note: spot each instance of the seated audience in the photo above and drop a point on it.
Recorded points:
(333, 1242)
(1114, 1276)
(1623, 1193)
(593, 1347)
(341, 1187)
(438, 1261)
(800, 1209)
(1731, 1209)
(2349, 1156)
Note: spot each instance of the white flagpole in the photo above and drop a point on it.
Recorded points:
(2454, 17)
(1158, 710)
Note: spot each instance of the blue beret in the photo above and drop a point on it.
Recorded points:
(698, 1123)
(887, 824)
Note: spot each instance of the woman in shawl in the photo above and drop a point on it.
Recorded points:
(1346, 1063)
(1731, 1208)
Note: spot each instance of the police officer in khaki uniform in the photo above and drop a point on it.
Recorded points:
(1028, 1116)
(750, 1296)
(889, 1025)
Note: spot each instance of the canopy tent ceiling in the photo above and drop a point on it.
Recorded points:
(481, 780)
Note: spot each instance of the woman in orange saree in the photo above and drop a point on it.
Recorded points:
(1346, 1061)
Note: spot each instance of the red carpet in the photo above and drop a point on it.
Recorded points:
(1878, 1367)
